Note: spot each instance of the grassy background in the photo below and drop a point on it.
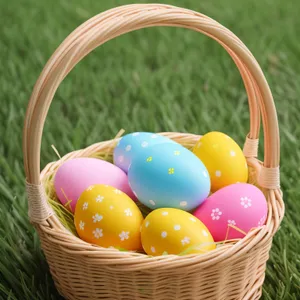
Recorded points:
(159, 79)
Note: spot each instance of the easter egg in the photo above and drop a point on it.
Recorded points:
(132, 144)
(241, 205)
(107, 217)
(223, 159)
(76, 175)
(169, 175)
(174, 231)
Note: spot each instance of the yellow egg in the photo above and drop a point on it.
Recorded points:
(107, 217)
(223, 159)
(174, 231)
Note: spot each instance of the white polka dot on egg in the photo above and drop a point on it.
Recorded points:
(164, 234)
(218, 173)
(204, 232)
(177, 227)
(152, 202)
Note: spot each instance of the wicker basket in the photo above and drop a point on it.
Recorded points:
(84, 271)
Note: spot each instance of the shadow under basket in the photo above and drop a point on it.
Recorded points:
(84, 271)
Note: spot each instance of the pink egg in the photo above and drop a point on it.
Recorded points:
(76, 175)
(242, 205)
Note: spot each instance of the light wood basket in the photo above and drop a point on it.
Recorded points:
(84, 271)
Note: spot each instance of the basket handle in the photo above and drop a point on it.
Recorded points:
(123, 19)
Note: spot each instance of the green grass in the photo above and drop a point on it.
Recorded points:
(158, 79)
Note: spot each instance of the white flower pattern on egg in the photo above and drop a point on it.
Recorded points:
(135, 133)
(153, 249)
(193, 219)
(216, 214)
(99, 198)
(90, 188)
(81, 225)
(231, 222)
(124, 235)
(121, 158)
(128, 212)
(98, 233)
(144, 144)
(185, 240)
(85, 206)
(97, 218)
(116, 191)
(246, 202)
(164, 213)
(128, 148)
(232, 153)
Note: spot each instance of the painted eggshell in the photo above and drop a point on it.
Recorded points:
(242, 205)
(169, 175)
(107, 217)
(174, 231)
(223, 159)
(76, 175)
(132, 144)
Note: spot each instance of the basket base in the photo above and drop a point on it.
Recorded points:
(253, 295)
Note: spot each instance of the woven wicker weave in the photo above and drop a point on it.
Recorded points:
(83, 271)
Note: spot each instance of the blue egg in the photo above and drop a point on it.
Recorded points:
(169, 175)
(132, 144)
